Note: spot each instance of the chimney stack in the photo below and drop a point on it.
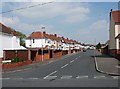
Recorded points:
(55, 35)
(44, 32)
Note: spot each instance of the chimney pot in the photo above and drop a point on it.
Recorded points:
(44, 32)
(55, 34)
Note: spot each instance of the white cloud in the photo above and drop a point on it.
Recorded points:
(96, 31)
(26, 28)
(10, 20)
(71, 12)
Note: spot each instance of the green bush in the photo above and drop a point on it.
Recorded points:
(14, 60)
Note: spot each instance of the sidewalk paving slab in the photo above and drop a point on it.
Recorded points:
(106, 64)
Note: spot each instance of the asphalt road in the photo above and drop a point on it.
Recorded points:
(76, 70)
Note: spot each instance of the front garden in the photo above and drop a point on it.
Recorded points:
(15, 62)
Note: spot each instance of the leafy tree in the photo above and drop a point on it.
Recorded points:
(22, 38)
(21, 35)
(98, 46)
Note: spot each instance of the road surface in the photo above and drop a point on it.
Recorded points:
(76, 70)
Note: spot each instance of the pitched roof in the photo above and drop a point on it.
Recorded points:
(54, 37)
(116, 15)
(36, 35)
(5, 29)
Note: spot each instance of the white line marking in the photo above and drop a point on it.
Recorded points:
(17, 70)
(66, 77)
(52, 73)
(72, 61)
(81, 77)
(50, 77)
(33, 78)
(76, 58)
(5, 78)
(64, 65)
(99, 77)
(49, 74)
(9, 72)
(27, 69)
(117, 66)
(50, 62)
(115, 77)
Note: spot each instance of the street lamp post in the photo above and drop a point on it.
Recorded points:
(42, 44)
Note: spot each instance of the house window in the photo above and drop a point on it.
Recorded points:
(33, 40)
(54, 42)
(48, 41)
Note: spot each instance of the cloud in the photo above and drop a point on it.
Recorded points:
(27, 28)
(10, 20)
(95, 31)
(69, 11)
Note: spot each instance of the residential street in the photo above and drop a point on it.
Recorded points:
(76, 70)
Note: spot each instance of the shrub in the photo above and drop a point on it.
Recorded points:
(14, 60)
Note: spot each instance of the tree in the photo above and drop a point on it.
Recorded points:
(22, 38)
(21, 35)
(98, 46)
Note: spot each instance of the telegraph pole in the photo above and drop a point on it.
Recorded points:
(42, 44)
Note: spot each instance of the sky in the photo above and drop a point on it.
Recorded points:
(86, 22)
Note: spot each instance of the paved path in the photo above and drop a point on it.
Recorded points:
(107, 64)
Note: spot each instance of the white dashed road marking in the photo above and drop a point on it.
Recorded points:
(64, 65)
(115, 77)
(4, 78)
(117, 66)
(33, 78)
(72, 61)
(81, 77)
(17, 70)
(99, 77)
(66, 77)
(52, 73)
(49, 75)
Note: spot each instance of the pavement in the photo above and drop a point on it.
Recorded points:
(76, 70)
(106, 64)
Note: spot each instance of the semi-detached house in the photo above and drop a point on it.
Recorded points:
(114, 35)
(43, 40)
(44, 46)
(9, 40)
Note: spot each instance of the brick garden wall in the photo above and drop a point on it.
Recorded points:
(114, 53)
(21, 54)
(64, 52)
(57, 54)
(39, 56)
